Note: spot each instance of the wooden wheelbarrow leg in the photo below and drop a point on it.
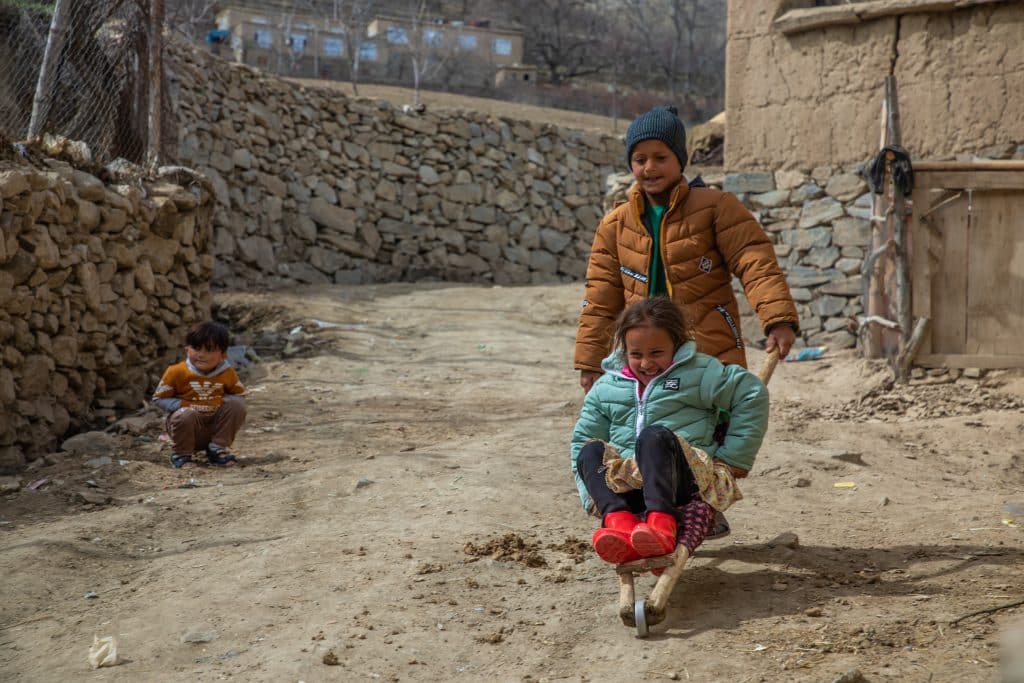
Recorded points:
(672, 565)
(655, 608)
(627, 596)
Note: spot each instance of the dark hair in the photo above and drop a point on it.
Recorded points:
(208, 335)
(658, 311)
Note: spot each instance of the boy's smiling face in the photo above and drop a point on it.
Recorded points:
(656, 168)
(205, 359)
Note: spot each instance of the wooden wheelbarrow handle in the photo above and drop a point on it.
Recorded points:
(771, 359)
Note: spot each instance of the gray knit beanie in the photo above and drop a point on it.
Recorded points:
(660, 123)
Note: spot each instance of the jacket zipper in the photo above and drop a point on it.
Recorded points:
(660, 247)
(641, 403)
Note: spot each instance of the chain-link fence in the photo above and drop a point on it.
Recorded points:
(93, 84)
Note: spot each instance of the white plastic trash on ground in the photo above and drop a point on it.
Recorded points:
(103, 652)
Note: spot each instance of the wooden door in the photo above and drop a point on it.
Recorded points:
(967, 265)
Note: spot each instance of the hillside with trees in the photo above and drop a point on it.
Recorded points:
(610, 57)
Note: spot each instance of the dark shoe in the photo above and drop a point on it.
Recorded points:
(611, 542)
(719, 529)
(219, 456)
(178, 460)
(656, 536)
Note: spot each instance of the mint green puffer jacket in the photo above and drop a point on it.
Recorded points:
(685, 398)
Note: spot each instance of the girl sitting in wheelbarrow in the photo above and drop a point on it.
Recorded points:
(644, 451)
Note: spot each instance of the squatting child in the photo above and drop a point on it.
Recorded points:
(656, 402)
(203, 398)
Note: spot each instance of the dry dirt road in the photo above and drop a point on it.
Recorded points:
(405, 512)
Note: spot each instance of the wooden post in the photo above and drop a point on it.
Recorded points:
(910, 349)
(48, 71)
(156, 81)
(872, 293)
(879, 342)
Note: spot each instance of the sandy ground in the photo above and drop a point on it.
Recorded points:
(435, 99)
(404, 511)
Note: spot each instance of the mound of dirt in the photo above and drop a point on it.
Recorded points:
(573, 547)
(510, 547)
(889, 402)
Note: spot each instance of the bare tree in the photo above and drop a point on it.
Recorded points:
(353, 16)
(688, 41)
(426, 51)
(563, 36)
(189, 16)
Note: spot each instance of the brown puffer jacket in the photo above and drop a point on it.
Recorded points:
(707, 236)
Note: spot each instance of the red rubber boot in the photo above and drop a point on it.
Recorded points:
(611, 542)
(656, 536)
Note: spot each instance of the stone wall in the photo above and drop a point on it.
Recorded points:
(813, 99)
(313, 186)
(97, 283)
(820, 225)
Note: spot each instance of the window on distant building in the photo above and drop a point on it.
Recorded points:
(263, 38)
(433, 38)
(397, 35)
(467, 42)
(502, 46)
(368, 51)
(334, 47)
(297, 42)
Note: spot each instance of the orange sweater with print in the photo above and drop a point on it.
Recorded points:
(204, 393)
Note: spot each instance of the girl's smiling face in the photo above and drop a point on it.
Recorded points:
(649, 351)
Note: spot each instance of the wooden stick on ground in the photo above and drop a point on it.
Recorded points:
(989, 610)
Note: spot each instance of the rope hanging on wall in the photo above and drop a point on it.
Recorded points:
(902, 170)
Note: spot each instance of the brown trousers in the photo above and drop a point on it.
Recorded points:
(191, 430)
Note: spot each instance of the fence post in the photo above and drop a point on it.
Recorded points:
(156, 71)
(48, 71)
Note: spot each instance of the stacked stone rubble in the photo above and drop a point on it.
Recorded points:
(313, 186)
(821, 226)
(97, 282)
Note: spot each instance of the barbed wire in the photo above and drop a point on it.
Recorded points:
(99, 89)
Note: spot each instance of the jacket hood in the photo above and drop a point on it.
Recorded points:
(614, 363)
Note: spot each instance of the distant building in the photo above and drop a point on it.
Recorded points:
(292, 43)
(301, 44)
(496, 47)
(515, 75)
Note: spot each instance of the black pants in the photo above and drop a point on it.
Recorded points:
(668, 481)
